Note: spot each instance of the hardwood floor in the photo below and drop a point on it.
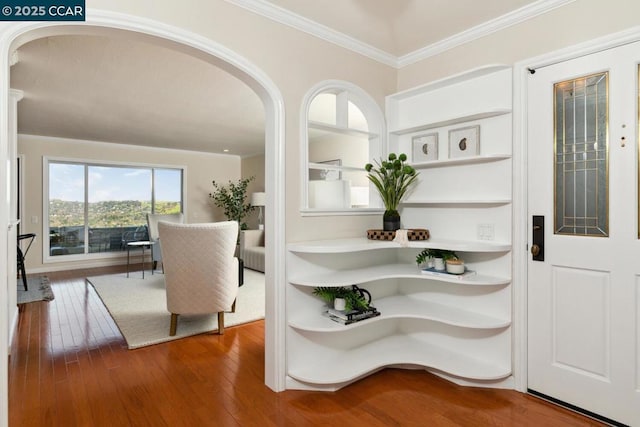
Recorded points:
(71, 367)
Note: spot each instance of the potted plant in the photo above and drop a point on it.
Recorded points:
(232, 199)
(392, 178)
(354, 299)
(440, 257)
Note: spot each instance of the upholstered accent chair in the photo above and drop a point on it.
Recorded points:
(152, 226)
(200, 269)
(252, 249)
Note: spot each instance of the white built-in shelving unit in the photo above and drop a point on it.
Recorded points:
(457, 327)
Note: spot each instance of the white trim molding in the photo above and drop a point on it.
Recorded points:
(286, 17)
(291, 19)
(507, 20)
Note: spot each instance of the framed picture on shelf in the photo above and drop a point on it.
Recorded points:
(464, 142)
(425, 147)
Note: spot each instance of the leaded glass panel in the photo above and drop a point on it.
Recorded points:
(581, 156)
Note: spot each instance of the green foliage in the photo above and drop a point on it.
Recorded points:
(435, 253)
(354, 301)
(392, 178)
(231, 198)
(106, 214)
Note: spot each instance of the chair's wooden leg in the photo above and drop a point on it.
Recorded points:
(174, 324)
(221, 322)
(233, 306)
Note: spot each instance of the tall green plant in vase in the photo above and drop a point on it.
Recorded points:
(393, 178)
(232, 199)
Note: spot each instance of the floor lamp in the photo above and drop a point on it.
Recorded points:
(259, 200)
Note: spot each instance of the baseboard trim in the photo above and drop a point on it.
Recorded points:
(577, 409)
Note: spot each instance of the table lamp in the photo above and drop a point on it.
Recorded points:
(259, 200)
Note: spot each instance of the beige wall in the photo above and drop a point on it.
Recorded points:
(295, 62)
(201, 169)
(574, 23)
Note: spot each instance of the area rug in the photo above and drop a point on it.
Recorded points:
(39, 290)
(139, 307)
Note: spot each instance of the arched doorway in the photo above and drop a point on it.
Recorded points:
(15, 34)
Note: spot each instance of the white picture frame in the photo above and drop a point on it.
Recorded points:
(424, 148)
(464, 142)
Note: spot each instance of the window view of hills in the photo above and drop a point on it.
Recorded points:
(107, 214)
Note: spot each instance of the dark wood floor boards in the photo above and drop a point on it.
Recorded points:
(70, 367)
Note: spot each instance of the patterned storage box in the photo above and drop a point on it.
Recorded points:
(412, 234)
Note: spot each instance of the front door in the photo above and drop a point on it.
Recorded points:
(584, 283)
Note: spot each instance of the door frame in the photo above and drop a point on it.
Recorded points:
(522, 70)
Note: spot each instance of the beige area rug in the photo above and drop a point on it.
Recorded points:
(139, 307)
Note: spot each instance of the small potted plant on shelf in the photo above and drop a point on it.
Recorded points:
(392, 177)
(354, 299)
(441, 259)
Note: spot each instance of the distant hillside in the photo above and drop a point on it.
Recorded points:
(121, 213)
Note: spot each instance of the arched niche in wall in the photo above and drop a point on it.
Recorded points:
(342, 130)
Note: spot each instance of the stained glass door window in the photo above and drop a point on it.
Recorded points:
(581, 156)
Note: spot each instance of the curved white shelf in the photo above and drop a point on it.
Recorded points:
(394, 350)
(391, 271)
(426, 202)
(405, 307)
(322, 166)
(463, 161)
(449, 81)
(452, 121)
(357, 244)
(329, 128)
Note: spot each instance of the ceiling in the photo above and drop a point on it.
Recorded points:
(121, 90)
(399, 27)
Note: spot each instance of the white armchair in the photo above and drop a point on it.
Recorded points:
(152, 226)
(201, 271)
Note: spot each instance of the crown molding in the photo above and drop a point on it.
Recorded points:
(507, 20)
(286, 17)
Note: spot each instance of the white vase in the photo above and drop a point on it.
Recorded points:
(438, 264)
(339, 304)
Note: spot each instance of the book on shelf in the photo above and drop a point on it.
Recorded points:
(352, 314)
(443, 273)
(346, 318)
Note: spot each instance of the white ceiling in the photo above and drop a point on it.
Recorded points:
(121, 90)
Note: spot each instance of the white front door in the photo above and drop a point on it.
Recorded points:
(583, 298)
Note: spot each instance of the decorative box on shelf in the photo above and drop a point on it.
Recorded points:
(412, 234)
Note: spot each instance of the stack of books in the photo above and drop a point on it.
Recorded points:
(349, 317)
(432, 271)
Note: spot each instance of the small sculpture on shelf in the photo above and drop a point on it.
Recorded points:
(392, 177)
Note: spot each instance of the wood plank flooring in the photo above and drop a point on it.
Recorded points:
(71, 367)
